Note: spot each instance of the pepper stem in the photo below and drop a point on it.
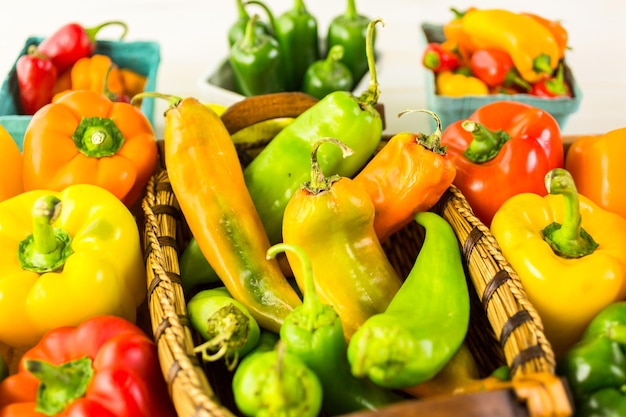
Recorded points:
(93, 31)
(351, 12)
(319, 182)
(568, 239)
(60, 384)
(372, 94)
(47, 248)
(617, 333)
(334, 55)
(485, 143)
(541, 64)
(431, 142)
(266, 9)
(173, 100)
(98, 137)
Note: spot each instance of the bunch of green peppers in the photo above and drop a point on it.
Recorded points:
(284, 53)
(595, 367)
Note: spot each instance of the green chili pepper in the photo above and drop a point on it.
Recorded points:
(237, 29)
(595, 367)
(226, 325)
(313, 332)
(194, 268)
(296, 32)
(350, 31)
(276, 383)
(426, 321)
(328, 75)
(284, 164)
(257, 63)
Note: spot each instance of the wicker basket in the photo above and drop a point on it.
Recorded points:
(504, 327)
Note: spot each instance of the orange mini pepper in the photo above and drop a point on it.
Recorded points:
(597, 164)
(84, 137)
(11, 161)
(90, 73)
(409, 174)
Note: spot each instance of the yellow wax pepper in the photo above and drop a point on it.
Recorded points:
(569, 254)
(453, 84)
(64, 257)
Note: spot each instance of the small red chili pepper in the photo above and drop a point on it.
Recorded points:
(554, 86)
(437, 59)
(72, 42)
(36, 77)
(495, 68)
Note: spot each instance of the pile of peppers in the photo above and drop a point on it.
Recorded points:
(498, 51)
(283, 53)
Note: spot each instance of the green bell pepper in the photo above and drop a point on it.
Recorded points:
(328, 75)
(350, 31)
(284, 164)
(595, 367)
(257, 63)
(296, 32)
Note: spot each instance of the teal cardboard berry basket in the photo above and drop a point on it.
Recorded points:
(142, 57)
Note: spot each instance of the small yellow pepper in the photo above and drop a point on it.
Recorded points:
(64, 257)
(569, 253)
(453, 84)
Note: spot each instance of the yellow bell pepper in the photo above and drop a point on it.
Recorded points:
(453, 84)
(569, 253)
(531, 45)
(64, 257)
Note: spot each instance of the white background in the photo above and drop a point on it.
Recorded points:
(192, 36)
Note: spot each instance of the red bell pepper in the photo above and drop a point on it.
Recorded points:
(106, 366)
(437, 58)
(495, 68)
(554, 86)
(73, 41)
(36, 77)
(502, 149)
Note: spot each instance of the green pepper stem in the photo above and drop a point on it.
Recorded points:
(485, 144)
(319, 182)
(351, 12)
(568, 239)
(372, 94)
(173, 100)
(541, 64)
(617, 333)
(299, 7)
(431, 142)
(60, 384)
(335, 54)
(266, 9)
(93, 31)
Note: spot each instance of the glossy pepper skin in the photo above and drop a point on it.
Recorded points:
(455, 84)
(564, 248)
(11, 160)
(595, 367)
(219, 211)
(109, 367)
(332, 220)
(558, 31)
(297, 34)
(66, 256)
(257, 63)
(328, 75)
(495, 68)
(314, 333)
(284, 164)
(350, 31)
(238, 28)
(596, 164)
(409, 174)
(502, 149)
(73, 41)
(36, 77)
(84, 137)
(99, 74)
(532, 46)
(425, 322)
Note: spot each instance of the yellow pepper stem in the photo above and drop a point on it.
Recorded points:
(485, 143)
(431, 142)
(319, 182)
(568, 239)
(47, 248)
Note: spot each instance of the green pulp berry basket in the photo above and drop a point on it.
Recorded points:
(142, 57)
(451, 109)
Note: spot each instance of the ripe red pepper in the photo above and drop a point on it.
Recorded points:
(504, 148)
(437, 59)
(553, 86)
(36, 77)
(72, 42)
(495, 68)
(106, 366)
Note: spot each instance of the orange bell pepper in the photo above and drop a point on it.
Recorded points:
(597, 165)
(90, 73)
(11, 161)
(84, 137)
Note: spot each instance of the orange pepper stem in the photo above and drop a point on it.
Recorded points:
(568, 239)
(431, 142)
(370, 96)
(485, 143)
(47, 248)
(319, 182)
(98, 137)
(173, 100)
